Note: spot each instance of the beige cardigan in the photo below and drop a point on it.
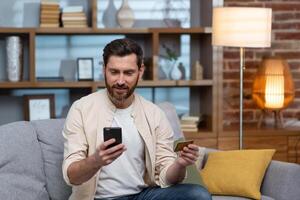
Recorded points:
(83, 132)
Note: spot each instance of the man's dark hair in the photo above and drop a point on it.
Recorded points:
(123, 47)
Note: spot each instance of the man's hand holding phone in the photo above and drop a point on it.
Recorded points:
(111, 148)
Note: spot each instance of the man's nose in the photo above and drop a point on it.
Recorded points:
(121, 79)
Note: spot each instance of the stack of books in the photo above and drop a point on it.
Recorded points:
(189, 123)
(49, 14)
(74, 17)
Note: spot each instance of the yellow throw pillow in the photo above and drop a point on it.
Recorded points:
(236, 173)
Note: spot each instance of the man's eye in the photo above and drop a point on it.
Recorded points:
(113, 72)
(129, 73)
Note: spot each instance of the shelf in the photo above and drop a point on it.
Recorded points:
(100, 84)
(90, 31)
(14, 30)
(147, 83)
(70, 84)
(27, 84)
(195, 30)
(13, 85)
(205, 82)
(123, 30)
(157, 83)
(112, 31)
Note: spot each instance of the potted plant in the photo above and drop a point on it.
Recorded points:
(169, 61)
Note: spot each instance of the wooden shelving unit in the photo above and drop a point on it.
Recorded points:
(203, 92)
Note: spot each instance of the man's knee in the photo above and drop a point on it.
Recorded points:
(196, 192)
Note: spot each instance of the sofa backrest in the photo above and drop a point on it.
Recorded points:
(49, 134)
(21, 163)
(171, 115)
(282, 181)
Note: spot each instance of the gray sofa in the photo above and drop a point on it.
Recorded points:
(32, 154)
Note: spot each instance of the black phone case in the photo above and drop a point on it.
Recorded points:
(113, 132)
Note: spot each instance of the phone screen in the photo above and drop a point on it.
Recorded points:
(113, 132)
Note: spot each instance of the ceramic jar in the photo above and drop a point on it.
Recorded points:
(197, 71)
(125, 15)
(110, 15)
(176, 73)
(14, 55)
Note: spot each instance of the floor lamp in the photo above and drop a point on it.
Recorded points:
(241, 27)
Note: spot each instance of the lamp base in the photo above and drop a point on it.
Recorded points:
(278, 118)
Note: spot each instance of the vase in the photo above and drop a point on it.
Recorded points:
(166, 66)
(176, 73)
(109, 18)
(197, 71)
(14, 55)
(125, 15)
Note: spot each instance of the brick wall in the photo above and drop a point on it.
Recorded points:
(285, 43)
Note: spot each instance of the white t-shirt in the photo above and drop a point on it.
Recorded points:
(124, 176)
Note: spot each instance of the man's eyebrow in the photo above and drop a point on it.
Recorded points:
(113, 68)
(130, 70)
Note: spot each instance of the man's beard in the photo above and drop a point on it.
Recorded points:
(117, 98)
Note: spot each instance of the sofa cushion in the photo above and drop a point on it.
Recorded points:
(282, 180)
(51, 140)
(21, 164)
(238, 198)
(236, 173)
(170, 112)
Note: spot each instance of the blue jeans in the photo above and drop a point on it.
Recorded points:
(175, 192)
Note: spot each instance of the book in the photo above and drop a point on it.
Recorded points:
(75, 23)
(188, 122)
(42, 9)
(49, 25)
(70, 9)
(72, 18)
(190, 118)
(49, 17)
(50, 21)
(188, 125)
(189, 129)
(50, 12)
(49, 6)
(75, 14)
(75, 26)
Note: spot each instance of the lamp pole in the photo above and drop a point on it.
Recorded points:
(242, 67)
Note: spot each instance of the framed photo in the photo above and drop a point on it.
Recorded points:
(38, 107)
(85, 69)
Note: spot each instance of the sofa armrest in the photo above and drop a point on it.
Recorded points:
(282, 181)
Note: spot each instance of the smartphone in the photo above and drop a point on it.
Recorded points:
(112, 132)
(180, 145)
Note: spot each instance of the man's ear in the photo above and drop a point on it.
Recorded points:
(141, 72)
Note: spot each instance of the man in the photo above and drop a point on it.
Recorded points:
(144, 166)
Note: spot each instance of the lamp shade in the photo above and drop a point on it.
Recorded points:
(242, 27)
(273, 87)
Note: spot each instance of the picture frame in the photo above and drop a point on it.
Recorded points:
(85, 69)
(38, 107)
